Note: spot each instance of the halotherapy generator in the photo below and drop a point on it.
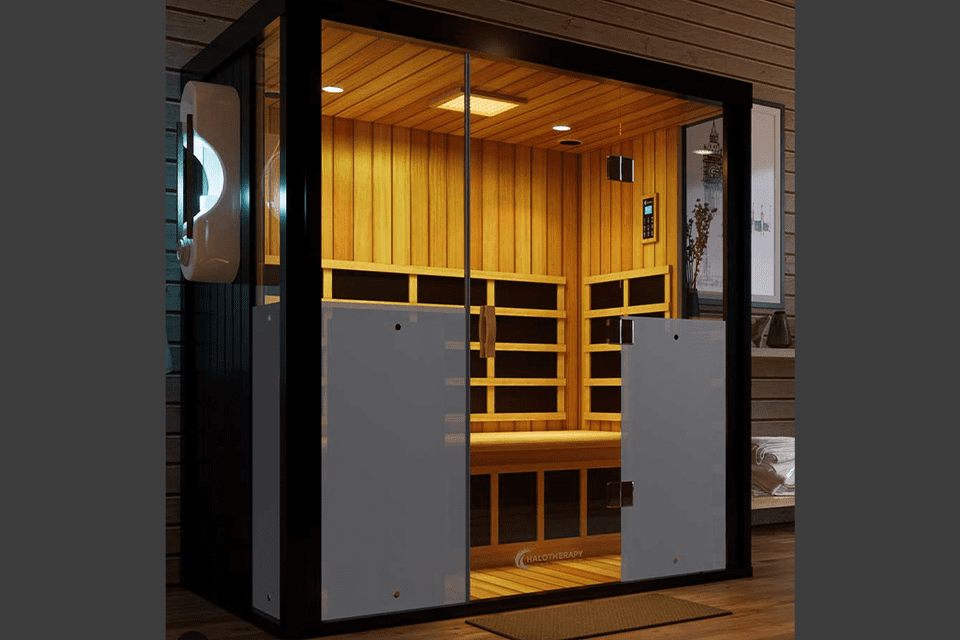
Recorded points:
(208, 183)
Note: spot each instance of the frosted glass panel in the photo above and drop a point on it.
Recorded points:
(393, 464)
(673, 448)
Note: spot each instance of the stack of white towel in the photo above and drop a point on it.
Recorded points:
(774, 466)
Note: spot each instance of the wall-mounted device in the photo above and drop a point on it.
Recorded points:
(208, 183)
(650, 218)
(620, 168)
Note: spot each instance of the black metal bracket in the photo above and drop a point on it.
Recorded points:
(619, 331)
(619, 494)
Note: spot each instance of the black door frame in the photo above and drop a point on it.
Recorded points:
(300, 234)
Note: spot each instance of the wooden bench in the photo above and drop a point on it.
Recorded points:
(537, 454)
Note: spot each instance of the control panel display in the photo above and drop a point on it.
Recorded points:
(650, 218)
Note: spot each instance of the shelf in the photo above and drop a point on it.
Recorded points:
(773, 502)
(513, 417)
(517, 382)
(767, 352)
(530, 440)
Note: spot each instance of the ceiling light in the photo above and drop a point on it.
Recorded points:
(333, 89)
(703, 152)
(482, 103)
(561, 127)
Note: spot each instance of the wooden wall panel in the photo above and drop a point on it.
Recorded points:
(571, 269)
(437, 199)
(400, 196)
(538, 211)
(419, 205)
(524, 211)
(343, 189)
(505, 188)
(611, 219)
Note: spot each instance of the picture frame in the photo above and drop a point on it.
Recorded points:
(767, 199)
(703, 179)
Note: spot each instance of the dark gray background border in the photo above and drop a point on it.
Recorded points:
(83, 396)
(82, 444)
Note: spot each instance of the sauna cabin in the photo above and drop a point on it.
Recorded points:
(500, 399)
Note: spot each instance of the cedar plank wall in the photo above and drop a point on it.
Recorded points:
(525, 198)
(752, 40)
(610, 238)
(190, 26)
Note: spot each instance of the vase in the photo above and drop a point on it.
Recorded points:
(692, 304)
(779, 335)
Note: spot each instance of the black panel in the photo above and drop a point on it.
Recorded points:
(446, 290)
(517, 507)
(480, 518)
(216, 518)
(526, 330)
(647, 290)
(561, 504)
(525, 364)
(475, 328)
(606, 295)
(478, 399)
(525, 399)
(601, 518)
(368, 285)
(526, 295)
(271, 275)
(657, 314)
(478, 365)
(598, 330)
(605, 364)
(605, 399)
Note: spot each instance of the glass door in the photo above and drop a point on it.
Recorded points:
(672, 493)
(395, 327)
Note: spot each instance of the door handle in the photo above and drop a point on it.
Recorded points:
(619, 494)
(488, 331)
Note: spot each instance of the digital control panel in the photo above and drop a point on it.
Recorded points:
(650, 218)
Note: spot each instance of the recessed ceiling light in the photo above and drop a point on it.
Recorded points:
(561, 127)
(332, 89)
(482, 103)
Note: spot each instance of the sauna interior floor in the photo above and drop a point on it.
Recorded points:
(508, 581)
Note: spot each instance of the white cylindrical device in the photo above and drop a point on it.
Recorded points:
(212, 253)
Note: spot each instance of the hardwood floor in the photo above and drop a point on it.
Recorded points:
(762, 606)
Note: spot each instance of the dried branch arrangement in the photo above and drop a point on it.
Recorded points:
(702, 216)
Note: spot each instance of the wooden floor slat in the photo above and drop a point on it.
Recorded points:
(554, 575)
(567, 575)
(762, 606)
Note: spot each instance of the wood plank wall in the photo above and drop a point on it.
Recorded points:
(752, 40)
(523, 213)
(610, 228)
(191, 25)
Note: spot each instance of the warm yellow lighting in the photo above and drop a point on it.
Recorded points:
(561, 127)
(703, 152)
(481, 103)
(333, 89)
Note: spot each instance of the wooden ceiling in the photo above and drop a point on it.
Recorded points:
(393, 82)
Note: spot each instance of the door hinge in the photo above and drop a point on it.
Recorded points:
(619, 494)
(619, 331)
